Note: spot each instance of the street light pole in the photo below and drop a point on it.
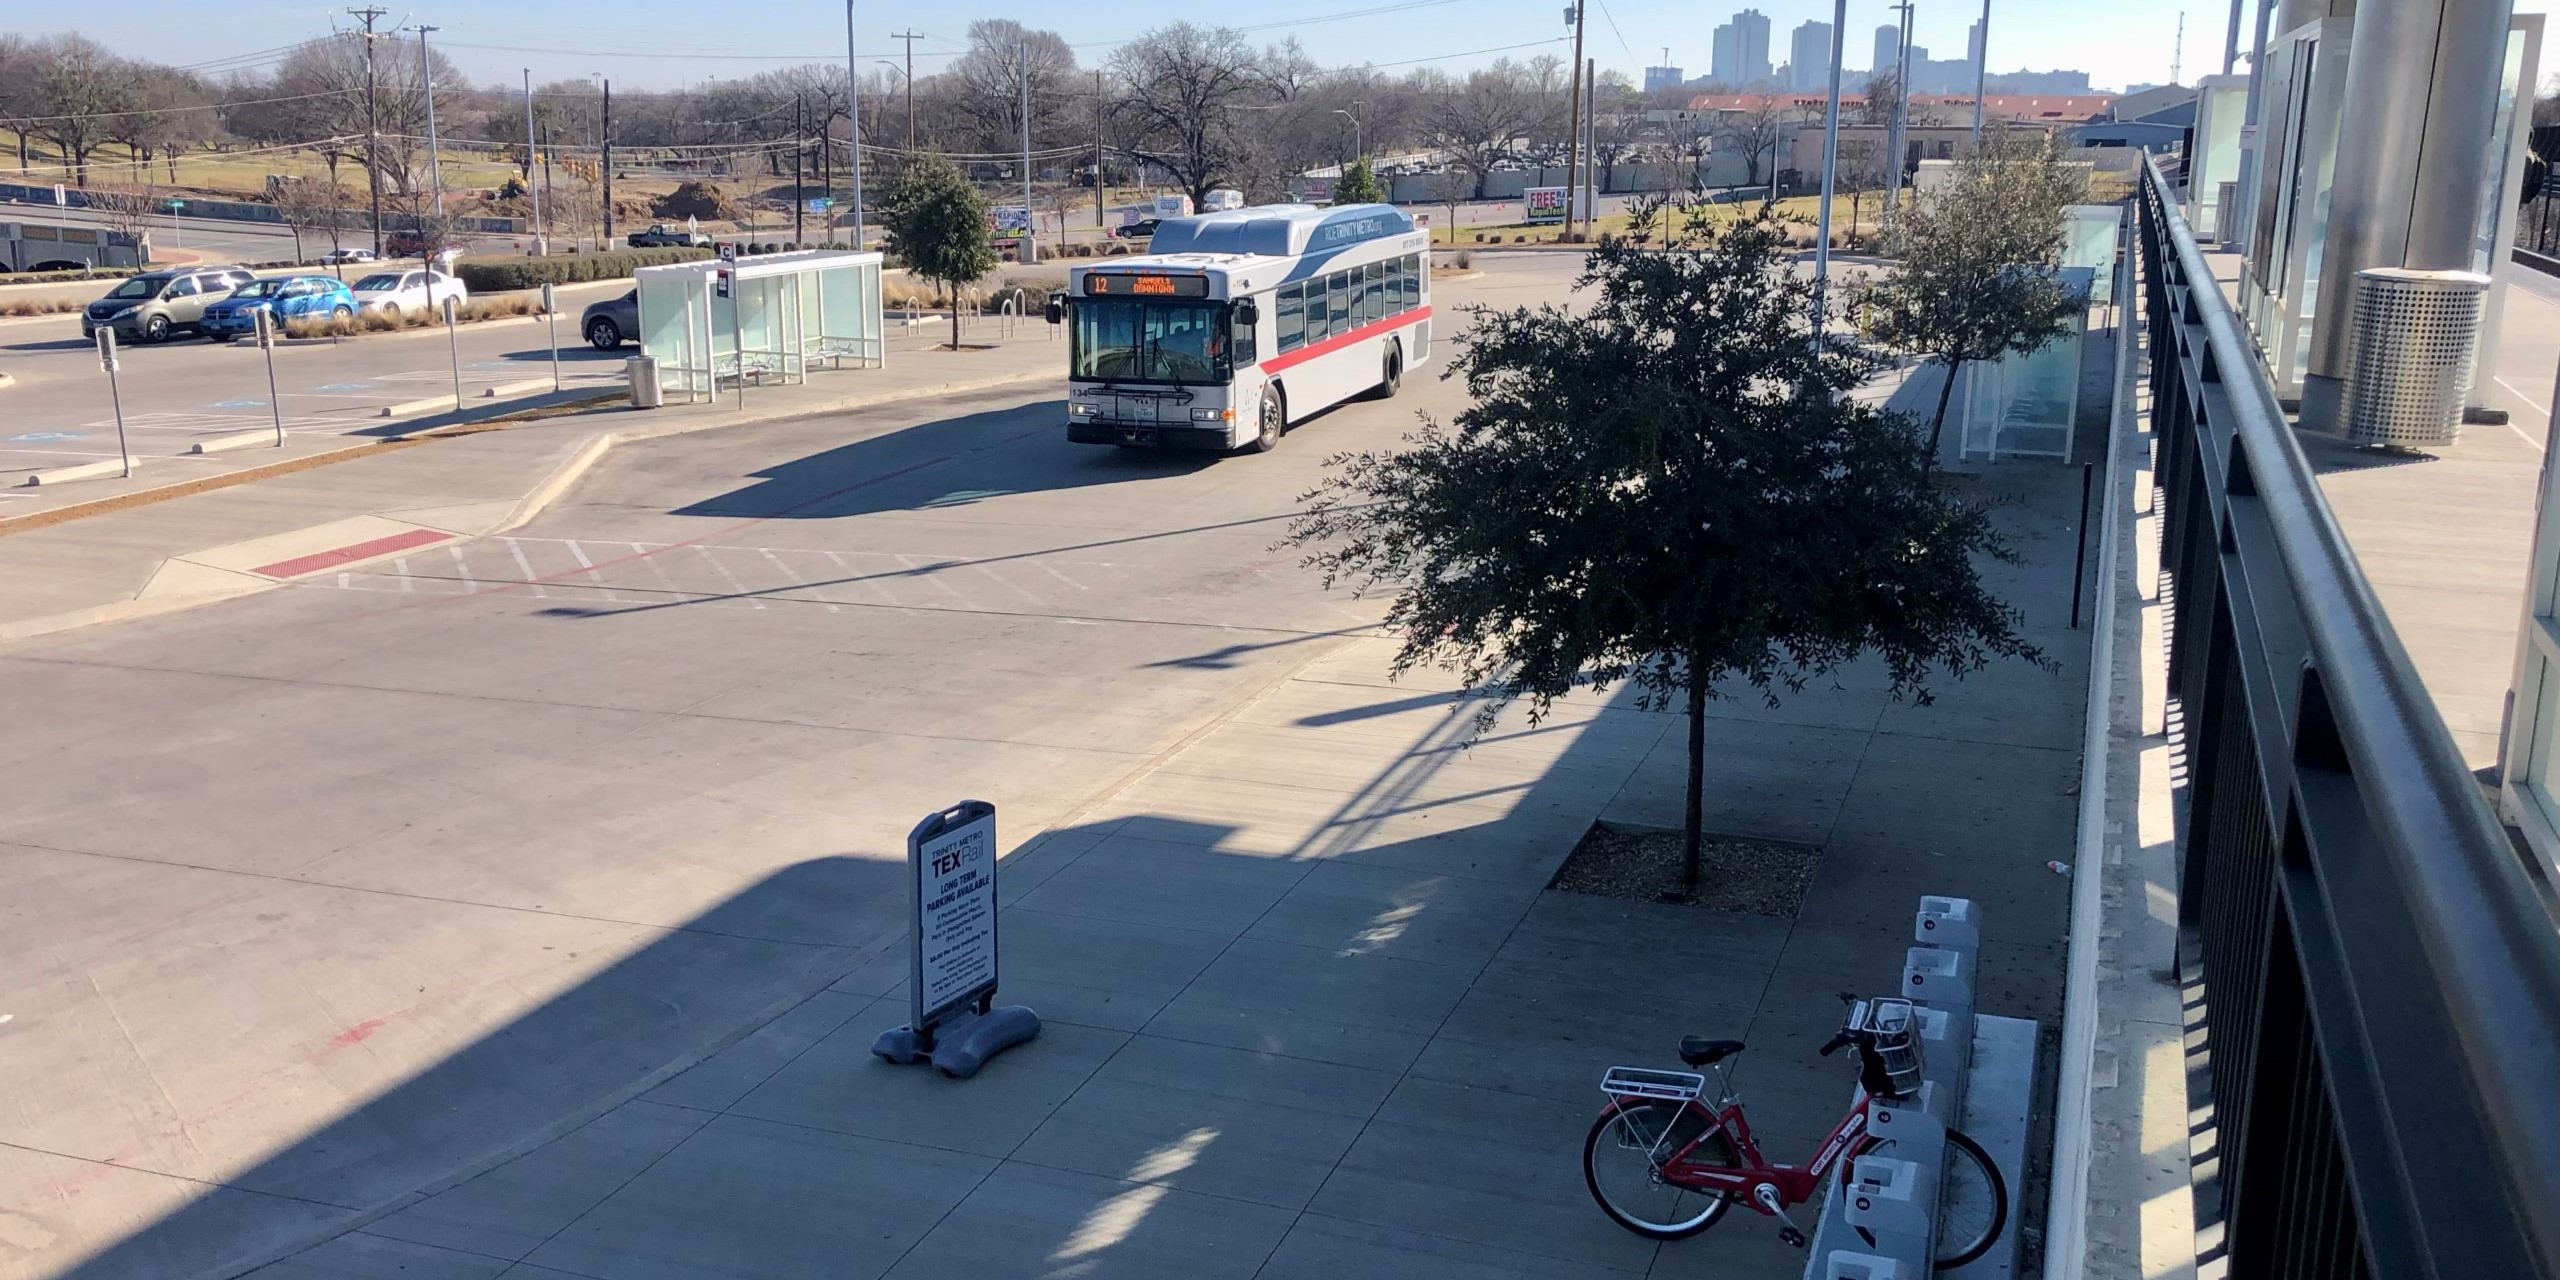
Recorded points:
(533, 188)
(853, 119)
(1030, 220)
(1982, 73)
(1358, 149)
(1830, 171)
(427, 76)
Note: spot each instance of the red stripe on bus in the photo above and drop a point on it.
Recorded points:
(1336, 343)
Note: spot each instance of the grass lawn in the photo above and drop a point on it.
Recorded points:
(1796, 209)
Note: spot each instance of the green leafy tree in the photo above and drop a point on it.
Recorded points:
(1974, 266)
(1359, 185)
(1672, 490)
(938, 227)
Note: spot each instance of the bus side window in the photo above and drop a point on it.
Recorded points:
(1241, 347)
(1417, 273)
(1338, 292)
(1395, 287)
(1373, 293)
(1292, 308)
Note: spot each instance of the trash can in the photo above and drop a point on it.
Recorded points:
(2416, 334)
(643, 373)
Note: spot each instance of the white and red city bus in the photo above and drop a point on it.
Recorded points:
(1243, 321)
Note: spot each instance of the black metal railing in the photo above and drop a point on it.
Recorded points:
(2375, 980)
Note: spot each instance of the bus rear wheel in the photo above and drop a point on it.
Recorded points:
(1391, 377)
(1273, 420)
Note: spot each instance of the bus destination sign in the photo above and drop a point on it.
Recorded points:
(1099, 284)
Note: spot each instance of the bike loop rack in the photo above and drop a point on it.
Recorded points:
(1976, 1075)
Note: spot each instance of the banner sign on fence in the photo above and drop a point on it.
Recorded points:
(1542, 204)
(1010, 220)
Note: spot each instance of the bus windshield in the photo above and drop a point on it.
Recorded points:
(1126, 340)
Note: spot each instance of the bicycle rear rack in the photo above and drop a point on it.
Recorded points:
(1894, 1031)
(1652, 1085)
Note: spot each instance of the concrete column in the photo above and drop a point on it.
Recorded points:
(2421, 101)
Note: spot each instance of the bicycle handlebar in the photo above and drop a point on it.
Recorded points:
(1838, 1042)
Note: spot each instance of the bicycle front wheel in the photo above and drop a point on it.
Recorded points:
(1622, 1162)
(1973, 1203)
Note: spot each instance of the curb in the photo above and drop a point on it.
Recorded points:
(8, 380)
(236, 440)
(407, 407)
(85, 470)
(518, 387)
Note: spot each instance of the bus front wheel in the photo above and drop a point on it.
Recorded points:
(1273, 420)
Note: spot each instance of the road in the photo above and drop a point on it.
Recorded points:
(324, 893)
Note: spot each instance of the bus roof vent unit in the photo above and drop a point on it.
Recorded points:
(1279, 230)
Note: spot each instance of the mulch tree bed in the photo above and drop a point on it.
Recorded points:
(1763, 877)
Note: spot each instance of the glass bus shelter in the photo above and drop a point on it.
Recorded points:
(763, 319)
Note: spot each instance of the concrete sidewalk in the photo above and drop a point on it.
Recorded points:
(189, 550)
(1312, 1011)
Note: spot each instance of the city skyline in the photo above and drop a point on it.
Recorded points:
(490, 40)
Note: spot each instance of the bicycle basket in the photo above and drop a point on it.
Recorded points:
(1893, 1031)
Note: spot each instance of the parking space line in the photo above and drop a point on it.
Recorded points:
(589, 565)
(735, 586)
(914, 570)
(517, 549)
(463, 567)
(651, 560)
(798, 583)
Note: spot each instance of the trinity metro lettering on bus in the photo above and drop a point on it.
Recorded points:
(1242, 322)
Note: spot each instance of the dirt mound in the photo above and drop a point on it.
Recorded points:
(695, 200)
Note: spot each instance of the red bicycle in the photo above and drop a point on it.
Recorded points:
(1662, 1163)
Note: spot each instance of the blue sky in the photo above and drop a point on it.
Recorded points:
(652, 46)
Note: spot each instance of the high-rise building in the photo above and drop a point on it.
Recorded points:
(1888, 49)
(1657, 79)
(1751, 46)
(1809, 57)
(1725, 67)
(1973, 44)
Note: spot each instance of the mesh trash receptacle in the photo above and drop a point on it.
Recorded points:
(2415, 335)
(643, 373)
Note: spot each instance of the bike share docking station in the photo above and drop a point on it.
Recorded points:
(1976, 1074)
(954, 1021)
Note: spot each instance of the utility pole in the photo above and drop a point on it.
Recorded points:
(372, 122)
(799, 148)
(2178, 50)
(2231, 39)
(1030, 219)
(1893, 144)
(532, 187)
(910, 37)
(1591, 139)
(853, 120)
(1098, 215)
(1573, 130)
(435, 160)
(1830, 168)
(605, 140)
(1982, 71)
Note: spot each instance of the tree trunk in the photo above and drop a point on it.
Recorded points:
(1692, 837)
(1938, 420)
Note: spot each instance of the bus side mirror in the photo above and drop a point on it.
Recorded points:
(1056, 311)
(1247, 311)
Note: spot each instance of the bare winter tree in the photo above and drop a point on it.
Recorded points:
(1182, 91)
(988, 91)
(128, 209)
(1480, 119)
(76, 91)
(1753, 132)
(311, 204)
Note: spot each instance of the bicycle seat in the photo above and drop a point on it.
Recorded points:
(1698, 1051)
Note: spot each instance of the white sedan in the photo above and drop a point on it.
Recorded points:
(393, 292)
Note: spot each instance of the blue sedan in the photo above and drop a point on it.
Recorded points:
(285, 298)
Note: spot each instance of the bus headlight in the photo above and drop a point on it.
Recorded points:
(1079, 409)
(1213, 415)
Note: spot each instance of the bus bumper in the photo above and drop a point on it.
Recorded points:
(1148, 434)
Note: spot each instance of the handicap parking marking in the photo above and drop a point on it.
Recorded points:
(238, 404)
(344, 388)
(46, 437)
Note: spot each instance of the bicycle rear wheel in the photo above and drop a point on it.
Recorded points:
(1622, 1164)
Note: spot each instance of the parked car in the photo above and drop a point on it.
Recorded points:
(661, 234)
(416, 289)
(284, 298)
(612, 322)
(347, 254)
(1142, 229)
(156, 305)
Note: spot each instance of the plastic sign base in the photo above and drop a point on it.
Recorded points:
(962, 1043)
